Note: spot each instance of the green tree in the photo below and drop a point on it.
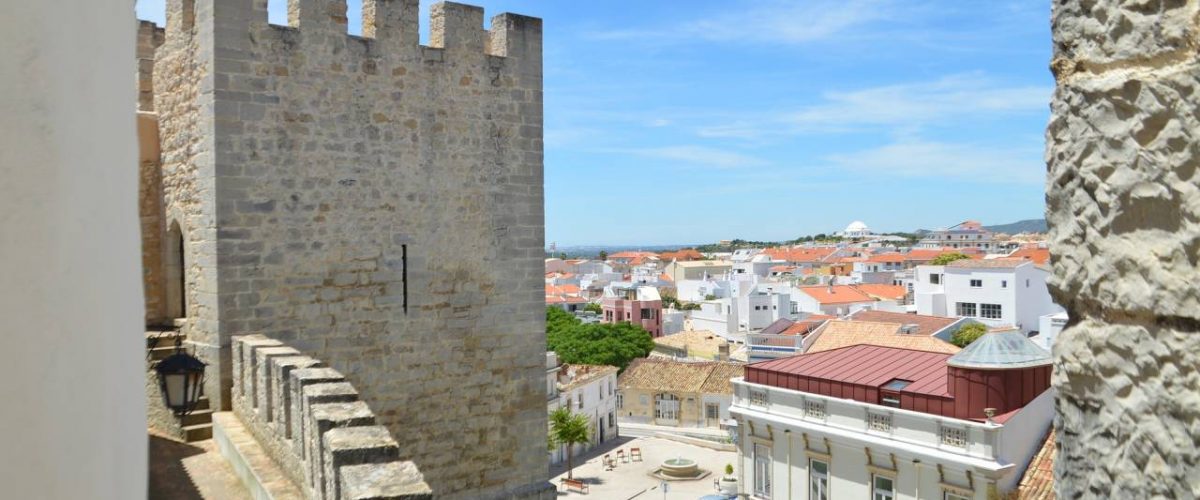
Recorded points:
(569, 429)
(595, 344)
(710, 297)
(967, 334)
(558, 319)
(593, 307)
(669, 300)
(947, 258)
(602, 255)
(689, 306)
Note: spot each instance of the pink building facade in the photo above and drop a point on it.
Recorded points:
(640, 305)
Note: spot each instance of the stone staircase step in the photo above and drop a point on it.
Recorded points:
(160, 353)
(197, 417)
(198, 432)
(202, 404)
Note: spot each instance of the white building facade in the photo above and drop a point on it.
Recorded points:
(996, 292)
(803, 446)
(589, 390)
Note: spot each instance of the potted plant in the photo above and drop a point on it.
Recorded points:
(729, 483)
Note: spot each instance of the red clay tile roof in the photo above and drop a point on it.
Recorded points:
(1038, 481)
(926, 325)
(883, 292)
(799, 254)
(681, 255)
(837, 334)
(865, 365)
(1037, 255)
(887, 257)
(666, 375)
(842, 294)
(806, 325)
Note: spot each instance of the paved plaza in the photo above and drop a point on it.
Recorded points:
(631, 479)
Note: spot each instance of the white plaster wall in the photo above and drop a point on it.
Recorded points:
(958, 289)
(70, 272)
(1033, 301)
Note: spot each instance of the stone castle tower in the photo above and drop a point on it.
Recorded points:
(368, 200)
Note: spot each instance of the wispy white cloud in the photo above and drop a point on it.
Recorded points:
(943, 160)
(775, 22)
(967, 97)
(700, 156)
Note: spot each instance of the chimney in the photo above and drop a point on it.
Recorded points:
(723, 352)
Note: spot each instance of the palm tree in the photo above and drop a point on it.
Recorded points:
(569, 429)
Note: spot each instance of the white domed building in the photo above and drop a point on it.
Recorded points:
(857, 229)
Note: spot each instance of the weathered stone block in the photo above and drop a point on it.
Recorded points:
(299, 379)
(265, 399)
(1100, 33)
(1123, 198)
(281, 371)
(353, 446)
(316, 394)
(1129, 403)
(387, 481)
(243, 363)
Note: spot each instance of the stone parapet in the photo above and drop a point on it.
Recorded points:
(309, 420)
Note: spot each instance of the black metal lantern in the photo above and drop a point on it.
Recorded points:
(181, 381)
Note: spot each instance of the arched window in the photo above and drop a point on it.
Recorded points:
(176, 289)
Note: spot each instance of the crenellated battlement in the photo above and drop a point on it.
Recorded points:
(387, 26)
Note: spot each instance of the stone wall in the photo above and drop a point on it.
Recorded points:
(150, 196)
(373, 203)
(311, 422)
(1124, 218)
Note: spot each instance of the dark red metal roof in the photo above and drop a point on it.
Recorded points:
(867, 365)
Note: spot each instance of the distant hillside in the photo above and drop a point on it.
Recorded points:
(1023, 226)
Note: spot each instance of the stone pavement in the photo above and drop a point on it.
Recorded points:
(632, 479)
(191, 471)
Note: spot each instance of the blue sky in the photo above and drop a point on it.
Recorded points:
(688, 122)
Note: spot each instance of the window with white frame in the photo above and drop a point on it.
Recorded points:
(990, 311)
(935, 278)
(758, 398)
(818, 480)
(666, 407)
(620, 401)
(880, 422)
(883, 487)
(814, 408)
(1003, 283)
(976, 283)
(579, 399)
(954, 436)
(949, 495)
(762, 471)
(964, 309)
